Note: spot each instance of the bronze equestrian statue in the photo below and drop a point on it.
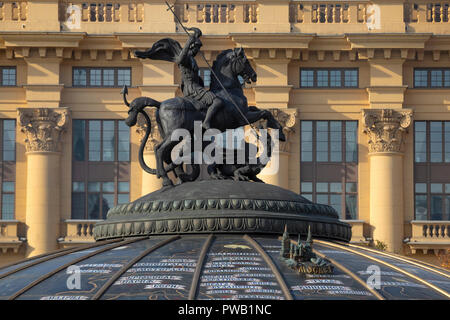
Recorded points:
(223, 107)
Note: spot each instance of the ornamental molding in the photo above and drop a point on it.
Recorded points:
(43, 128)
(155, 136)
(386, 128)
(287, 119)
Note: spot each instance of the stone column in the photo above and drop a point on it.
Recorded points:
(150, 182)
(43, 128)
(386, 130)
(287, 118)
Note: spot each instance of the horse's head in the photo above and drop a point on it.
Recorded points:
(242, 67)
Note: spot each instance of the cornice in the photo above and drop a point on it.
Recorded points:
(273, 40)
(41, 39)
(388, 40)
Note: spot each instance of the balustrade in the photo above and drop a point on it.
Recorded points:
(13, 10)
(430, 235)
(78, 232)
(312, 12)
(217, 13)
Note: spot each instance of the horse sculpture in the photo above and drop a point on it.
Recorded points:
(180, 112)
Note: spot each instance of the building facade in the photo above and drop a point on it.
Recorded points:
(362, 89)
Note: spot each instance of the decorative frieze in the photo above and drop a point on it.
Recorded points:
(386, 128)
(155, 137)
(43, 128)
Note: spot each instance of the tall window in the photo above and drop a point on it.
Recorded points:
(328, 78)
(101, 166)
(101, 77)
(8, 168)
(432, 78)
(7, 76)
(432, 170)
(329, 164)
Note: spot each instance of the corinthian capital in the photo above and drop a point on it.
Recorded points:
(386, 128)
(155, 137)
(43, 127)
(287, 119)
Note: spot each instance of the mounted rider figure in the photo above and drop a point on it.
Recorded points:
(191, 83)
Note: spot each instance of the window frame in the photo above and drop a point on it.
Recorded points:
(85, 164)
(429, 84)
(344, 179)
(329, 70)
(7, 166)
(1, 76)
(102, 69)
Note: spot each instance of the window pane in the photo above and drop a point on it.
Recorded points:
(351, 78)
(108, 77)
(447, 206)
(436, 207)
(420, 78)
(322, 198)
(108, 140)
(335, 78)
(421, 207)
(9, 76)
(8, 206)
(94, 140)
(123, 198)
(307, 78)
(124, 187)
(108, 202)
(447, 78)
(78, 186)
(351, 187)
(307, 196)
(336, 187)
(336, 141)
(306, 137)
(79, 139)
(9, 140)
(322, 78)
(94, 186)
(79, 77)
(335, 202)
(351, 207)
(78, 206)
(322, 141)
(95, 77)
(351, 142)
(322, 187)
(124, 142)
(436, 78)
(205, 74)
(108, 187)
(436, 187)
(123, 77)
(421, 188)
(94, 206)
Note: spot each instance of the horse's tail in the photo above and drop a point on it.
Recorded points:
(144, 141)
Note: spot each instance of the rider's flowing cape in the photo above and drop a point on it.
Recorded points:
(165, 49)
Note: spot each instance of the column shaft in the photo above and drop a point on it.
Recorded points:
(42, 205)
(386, 199)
